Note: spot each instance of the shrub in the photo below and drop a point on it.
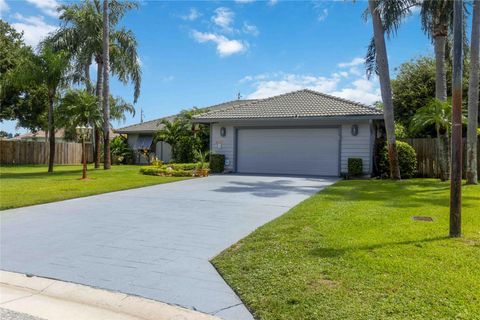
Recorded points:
(407, 160)
(120, 151)
(355, 167)
(165, 171)
(217, 163)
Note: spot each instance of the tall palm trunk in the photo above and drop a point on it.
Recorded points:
(456, 182)
(99, 92)
(472, 177)
(439, 40)
(51, 129)
(385, 88)
(106, 88)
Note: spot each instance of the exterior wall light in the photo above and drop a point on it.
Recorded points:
(354, 130)
(223, 131)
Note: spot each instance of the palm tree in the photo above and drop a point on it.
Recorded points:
(437, 18)
(106, 87)
(49, 69)
(172, 132)
(437, 113)
(82, 34)
(472, 139)
(456, 182)
(79, 108)
(118, 109)
(392, 11)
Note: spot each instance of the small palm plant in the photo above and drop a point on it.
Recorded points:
(79, 109)
(201, 158)
(171, 133)
(437, 113)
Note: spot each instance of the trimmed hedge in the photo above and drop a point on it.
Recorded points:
(159, 171)
(355, 167)
(217, 163)
(407, 160)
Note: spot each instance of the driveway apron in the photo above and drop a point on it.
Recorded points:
(154, 242)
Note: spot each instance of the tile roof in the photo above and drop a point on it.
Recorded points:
(155, 125)
(298, 104)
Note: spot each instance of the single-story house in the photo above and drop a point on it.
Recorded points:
(303, 133)
(141, 136)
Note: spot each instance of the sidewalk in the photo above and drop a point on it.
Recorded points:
(52, 299)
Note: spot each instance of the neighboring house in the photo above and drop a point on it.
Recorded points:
(41, 136)
(141, 136)
(303, 133)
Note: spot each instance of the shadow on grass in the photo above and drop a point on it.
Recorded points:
(401, 194)
(40, 174)
(336, 252)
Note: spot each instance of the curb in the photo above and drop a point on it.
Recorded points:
(134, 306)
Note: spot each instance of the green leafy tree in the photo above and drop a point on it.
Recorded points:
(23, 101)
(48, 69)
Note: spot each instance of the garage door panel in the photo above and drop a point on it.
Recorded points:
(312, 151)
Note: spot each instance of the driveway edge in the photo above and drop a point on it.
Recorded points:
(133, 306)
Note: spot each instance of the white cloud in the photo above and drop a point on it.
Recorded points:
(225, 46)
(223, 18)
(168, 78)
(48, 7)
(281, 83)
(340, 83)
(34, 28)
(272, 2)
(250, 28)
(323, 15)
(3, 7)
(192, 15)
(354, 62)
(361, 90)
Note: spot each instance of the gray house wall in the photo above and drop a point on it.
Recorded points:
(359, 146)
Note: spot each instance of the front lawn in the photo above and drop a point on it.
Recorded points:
(354, 252)
(27, 185)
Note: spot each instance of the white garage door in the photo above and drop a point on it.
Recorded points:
(309, 151)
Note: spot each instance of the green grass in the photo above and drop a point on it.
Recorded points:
(27, 185)
(354, 252)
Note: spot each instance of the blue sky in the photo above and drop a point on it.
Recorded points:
(199, 53)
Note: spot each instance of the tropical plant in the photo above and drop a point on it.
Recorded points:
(436, 17)
(119, 108)
(438, 114)
(171, 133)
(121, 152)
(79, 109)
(81, 33)
(472, 140)
(386, 17)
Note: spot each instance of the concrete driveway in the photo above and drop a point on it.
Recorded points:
(154, 242)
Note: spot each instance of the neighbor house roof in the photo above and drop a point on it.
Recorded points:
(298, 104)
(153, 126)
